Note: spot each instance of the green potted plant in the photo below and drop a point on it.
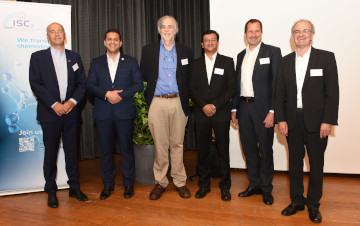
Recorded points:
(144, 143)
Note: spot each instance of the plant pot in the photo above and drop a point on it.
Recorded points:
(144, 163)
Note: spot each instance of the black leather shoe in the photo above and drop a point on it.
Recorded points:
(291, 209)
(225, 194)
(250, 191)
(129, 192)
(106, 192)
(52, 200)
(268, 199)
(314, 214)
(78, 194)
(202, 192)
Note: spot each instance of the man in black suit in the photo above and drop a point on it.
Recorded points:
(306, 107)
(57, 79)
(165, 68)
(253, 109)
(113, 80)
(212, 85)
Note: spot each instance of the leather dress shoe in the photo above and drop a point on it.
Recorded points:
(183, 192)
(52, 200)
(156, 192)
(225, 194)
(129, 192)
(291, 209)
(106, 192)
(250, 191)
(202, 192)
(78, 194)
(268, 199)
(314, 214)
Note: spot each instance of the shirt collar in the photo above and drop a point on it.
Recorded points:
(162, 45)
(56, 52)
(255, 49)
(116, 58)
(306, 55)
(213, 56)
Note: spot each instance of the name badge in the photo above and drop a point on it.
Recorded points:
(184, 61)
(316, 72)
(75, 66)
(219, 71)
(264, 60)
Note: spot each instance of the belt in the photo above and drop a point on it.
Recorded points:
(299, 110)
(168, 96)
(248, 99)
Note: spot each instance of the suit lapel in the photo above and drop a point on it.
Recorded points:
(156, 56)
(217, 64)
(257, 62)
(53, 74)
(292, 68)
(238, 67)
(311, 64)
(70, 71)
(106, 69)
(120, 64)
(203, 75)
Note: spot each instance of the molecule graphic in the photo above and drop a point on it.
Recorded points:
(12, 119)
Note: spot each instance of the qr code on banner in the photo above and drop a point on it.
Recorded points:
(26, 144)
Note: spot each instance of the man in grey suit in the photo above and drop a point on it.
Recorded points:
(306, 107)
(253, 109)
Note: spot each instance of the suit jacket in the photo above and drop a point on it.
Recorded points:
(127, 78)
(149, 66)
(220, 91)
(44, 83)
(320, 94)
(263, 79)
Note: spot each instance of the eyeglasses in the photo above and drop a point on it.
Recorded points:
(210, 40)
(52, 32)
(298, 32)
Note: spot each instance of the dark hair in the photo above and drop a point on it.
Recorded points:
(209, 32)
(112, 30)
(253, 21)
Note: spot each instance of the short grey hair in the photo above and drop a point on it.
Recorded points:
(160, 21)
(304, 20)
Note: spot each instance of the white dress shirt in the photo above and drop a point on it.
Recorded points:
(210, 65)
(301, 64)
(60, 64)
(113, 64)
(247, 69)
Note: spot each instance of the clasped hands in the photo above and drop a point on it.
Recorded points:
(209, 110)
(113, 96)
(61, 109)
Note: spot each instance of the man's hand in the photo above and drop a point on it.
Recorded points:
(113, 96)
(68, 106)
(325, 130)
(283, 127)
(269, 120)
(233, 117)
(59, 109)
(209, 110)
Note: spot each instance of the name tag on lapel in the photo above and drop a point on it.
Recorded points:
(264, 60)
(219, 71)
(75, 66)
(184, 61)
(316, 72)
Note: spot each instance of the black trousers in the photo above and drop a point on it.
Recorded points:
(256, 142)
(107, 130)
(299, 138)
(203, 137)
(65, 127)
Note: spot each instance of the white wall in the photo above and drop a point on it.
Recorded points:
(337, 26)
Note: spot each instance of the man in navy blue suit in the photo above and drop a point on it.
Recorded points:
(113, 80)
(57, 79)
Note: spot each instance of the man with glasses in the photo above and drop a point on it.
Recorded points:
(165, 68)
(253, 109)
(306, 107)
(212, 85)
(57, 79)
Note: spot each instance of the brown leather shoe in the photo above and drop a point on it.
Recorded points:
(183, 192)
(156, 192)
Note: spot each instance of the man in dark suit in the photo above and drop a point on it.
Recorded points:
(253, 109)
(212, 85)
(57, 79)
(113, 80)
(165, 68)
(306, 107)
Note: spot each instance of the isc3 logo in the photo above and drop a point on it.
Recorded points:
(17, 20)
